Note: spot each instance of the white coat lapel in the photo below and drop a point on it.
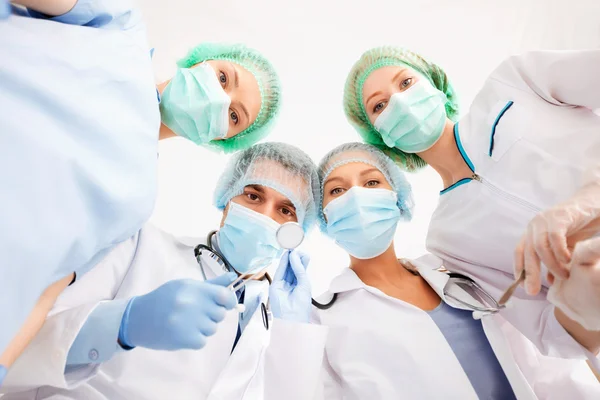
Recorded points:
(243, 376)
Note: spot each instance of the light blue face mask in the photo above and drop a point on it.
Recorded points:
(363, 221)
(248, 239)
(413, 120)
(195, 106)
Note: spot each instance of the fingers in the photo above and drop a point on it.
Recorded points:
(305, 258)
(561, 256)
(546, 252)
(283, 263)
(220, 295)
(519, 259)
(533, 280)
(587, 253)
(207, 327)
(216, 314)
(550, 278)
(223, 280)
(196, 342)
(298, 266)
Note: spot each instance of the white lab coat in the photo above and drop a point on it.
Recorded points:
(286, 368)
(383, 348)
(544, 144)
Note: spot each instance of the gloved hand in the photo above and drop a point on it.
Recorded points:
(180, 314)
(290, 292)
(579, 295)
(3, 372)
(4, 13)
(548, 236)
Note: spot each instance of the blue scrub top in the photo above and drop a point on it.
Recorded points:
(469, 343)
(79, 123)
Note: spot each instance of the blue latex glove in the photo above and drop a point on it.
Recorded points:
(3, 372)
(290, 292)
(5, 12)
(180, 314)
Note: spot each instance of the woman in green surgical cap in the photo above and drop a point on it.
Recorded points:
(520, 170)
(222, 96)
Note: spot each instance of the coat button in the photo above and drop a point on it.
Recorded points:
(93, 354)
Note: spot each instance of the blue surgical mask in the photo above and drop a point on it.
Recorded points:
(363, 221)
(195, 106)
(248, 239)
(413, 120)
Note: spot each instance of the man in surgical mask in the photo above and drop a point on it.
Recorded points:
(156, 292)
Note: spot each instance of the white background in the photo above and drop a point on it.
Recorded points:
(313, 44)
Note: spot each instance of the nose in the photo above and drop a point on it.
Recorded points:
(269, 209)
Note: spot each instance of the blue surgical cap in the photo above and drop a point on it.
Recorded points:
(279, 166)
(371, 155)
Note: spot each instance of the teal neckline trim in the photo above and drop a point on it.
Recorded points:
(457, 184)
(465, 157)
(462, 151)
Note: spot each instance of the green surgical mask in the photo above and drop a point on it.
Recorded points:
(413, 120)
(195, 106)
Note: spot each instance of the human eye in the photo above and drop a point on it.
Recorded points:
(252, 196)
(234, 117)
(379, 107)
(406, 83)
(288, 212)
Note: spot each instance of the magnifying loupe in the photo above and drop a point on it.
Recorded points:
(289, 236)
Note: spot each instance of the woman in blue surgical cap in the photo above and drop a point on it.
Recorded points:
(409, 329)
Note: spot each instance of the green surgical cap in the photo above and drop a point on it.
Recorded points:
(353, 96)
(268, 83)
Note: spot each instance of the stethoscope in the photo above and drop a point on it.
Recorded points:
(289, 236)
(487, 304)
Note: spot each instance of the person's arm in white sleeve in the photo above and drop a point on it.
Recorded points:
(540, 322)
(98, 339)
(111, 14)
(559, 77)
(44, 361)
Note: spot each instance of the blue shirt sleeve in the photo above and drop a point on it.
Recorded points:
(97, 339)
(111, 14)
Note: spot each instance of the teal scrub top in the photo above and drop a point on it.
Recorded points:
(79, 123)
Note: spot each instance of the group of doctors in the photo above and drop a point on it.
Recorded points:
(98, 304)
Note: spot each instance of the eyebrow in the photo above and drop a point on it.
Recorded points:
(289, 204)
(393, 80)
(258, 188)
(236, 78)
(329, 180)
(371, 96)
(398, 74)
(368, 171)
(245, 110)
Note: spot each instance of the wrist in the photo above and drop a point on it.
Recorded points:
(123, 338)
